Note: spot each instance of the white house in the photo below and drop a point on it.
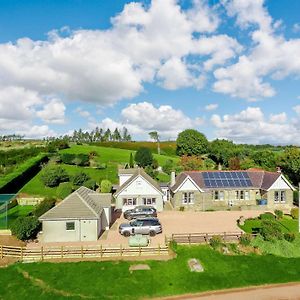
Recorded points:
(79, 217)
(138, 188)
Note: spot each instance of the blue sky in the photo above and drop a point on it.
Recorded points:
(228, 68)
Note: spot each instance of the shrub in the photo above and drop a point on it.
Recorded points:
(295, 213)
(25, 228)
(67, 158)
(216, 242)
(53, 176)
(131, 162)
(91, 184)
(181, 208)
(271, 230)
(168, 167)
(151, 172)
(173, 245)
(267, 216)
(63, 190)
(82, 160)
(245, 239)
(93, 154)
(278, 214)
(79, 178)
(289, 236)
(101, 166)
(143, 157)
(105, 186)
(43, 207)
(191, 163)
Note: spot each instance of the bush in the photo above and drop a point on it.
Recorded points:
(151, 172)
(64, 190)
(143, 157)
(82, 160)
(216, 242)
(181, 208)
(173, 245)
(53, 176)
(278, 214)
(289, 236)
(245, 239)
(25, 228)
(105, 186)
(168, 167)
(295, 213)
(79, 178)
(91, 184)
(67, 158)
(267, 216)
(101, 166)
(271, 230)
(43, 207)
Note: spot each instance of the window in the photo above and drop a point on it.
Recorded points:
(149, 201)
(70, 226)
(279, 196)
(219, 195)
(247, 195)
(188, 198)
(237, 195)
(282, 196)
(129, 201)
(241, 195)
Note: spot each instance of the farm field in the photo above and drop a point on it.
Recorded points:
(110, 280)
(112, 157)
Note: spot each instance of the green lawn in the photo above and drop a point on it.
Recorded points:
(288, 224)
(112, 280)
(14, 213)
(111, 156)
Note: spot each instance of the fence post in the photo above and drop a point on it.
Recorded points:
(1, 251)
(21, 253)
(120, 249)
(206, 238)
(101, 251)
(189, 237)
(158, 249)
(224, 237)
(42, 253)
(62, 251)
(81, 249)
(140, 251)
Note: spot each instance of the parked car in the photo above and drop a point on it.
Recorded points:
(140, 212)
(149, 226)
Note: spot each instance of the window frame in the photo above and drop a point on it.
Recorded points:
(68, 223)
(151, 202)
(188, 197)
(132, 200)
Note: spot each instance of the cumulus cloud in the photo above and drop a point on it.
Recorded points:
(271, 54)
(252, 126)
(53, 112)
(83, 113)
(141, 118)
(212, 106)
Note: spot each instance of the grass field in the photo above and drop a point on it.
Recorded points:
(111, 156)
(112, 280)
(288, 224)
(14, 213)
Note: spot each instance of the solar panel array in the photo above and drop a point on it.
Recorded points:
(226, 179)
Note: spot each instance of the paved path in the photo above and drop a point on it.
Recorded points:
(289, 291)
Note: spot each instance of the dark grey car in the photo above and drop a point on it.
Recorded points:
(149, 226)
(140, 212)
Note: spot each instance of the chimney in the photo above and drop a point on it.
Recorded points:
(219, 167)
(278, 170)
(173, 178)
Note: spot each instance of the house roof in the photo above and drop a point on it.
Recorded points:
(127, 171)
(136, 173)
(258, 179)
(81, 204)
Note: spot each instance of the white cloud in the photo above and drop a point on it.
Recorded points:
(212, 106)
(141, 118)
(252, 126)
(297, 109)
(83, 113)
(296, 27)
(53, 112)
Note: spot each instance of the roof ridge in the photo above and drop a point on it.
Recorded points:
(85, 202)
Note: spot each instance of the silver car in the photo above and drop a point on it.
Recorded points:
(149, 226)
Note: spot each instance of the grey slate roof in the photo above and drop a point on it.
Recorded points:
(260, 179)
(135, 173)
(81, 204)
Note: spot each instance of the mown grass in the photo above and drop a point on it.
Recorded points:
(13, 214)
(112, 280)
(288, 224)
(112, 157)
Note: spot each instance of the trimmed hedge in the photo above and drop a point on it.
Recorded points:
(43, 207)
(25, 228)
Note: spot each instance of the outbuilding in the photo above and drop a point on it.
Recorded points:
(82, 216)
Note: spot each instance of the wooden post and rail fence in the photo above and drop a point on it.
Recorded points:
(100, 251)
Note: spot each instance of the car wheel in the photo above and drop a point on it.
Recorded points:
(126, 233)
(152, 233)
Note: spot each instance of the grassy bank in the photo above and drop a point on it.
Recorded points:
(112, 280)
(112, 157)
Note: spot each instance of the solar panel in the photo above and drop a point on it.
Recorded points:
(226, 179)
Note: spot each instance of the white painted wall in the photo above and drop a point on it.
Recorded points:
(188, 185)
(55, 231)
(166, 192)
(280, 184)
(123, 178)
